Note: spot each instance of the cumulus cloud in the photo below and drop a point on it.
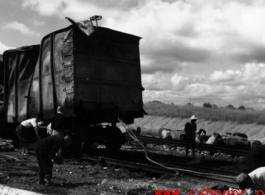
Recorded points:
(51, 7)
(254, 73)
(185, 30)
(22, 28)
(82, 9)
(37, 23)
(3, 47)
(156, 82)
(178, 37)
(236, 87)
(47, 7)
(226, 76)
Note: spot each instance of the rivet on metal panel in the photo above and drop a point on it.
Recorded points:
(67, 40)
(68, 64)
(68, 37)
(66, 52)
(69, 91)
(68, 79)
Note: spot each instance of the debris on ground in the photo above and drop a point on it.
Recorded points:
(6, 145)
(81, 176)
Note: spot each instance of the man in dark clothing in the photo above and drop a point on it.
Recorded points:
(59, 122)
(255, 158)
(190, 129)
(46, 150)
(58, 126)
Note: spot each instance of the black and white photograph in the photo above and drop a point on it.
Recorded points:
(132, 97)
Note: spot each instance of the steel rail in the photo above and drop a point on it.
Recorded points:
(193, 167)
(156, 169)
(160, 158)
(214, 148)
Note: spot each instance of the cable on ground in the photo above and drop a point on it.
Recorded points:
(134, 137)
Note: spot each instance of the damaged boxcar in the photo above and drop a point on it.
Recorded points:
(1, 87)
(95, 76)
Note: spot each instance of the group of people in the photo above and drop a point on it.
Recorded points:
(252, 181)
(49, 148)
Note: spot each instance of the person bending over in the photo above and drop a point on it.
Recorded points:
(24, 131)
(46, 150)
(255, 180)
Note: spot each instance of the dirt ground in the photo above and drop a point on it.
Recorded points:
(80, 176)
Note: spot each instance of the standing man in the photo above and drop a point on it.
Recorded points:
(58, 125)
(45, 152)
(24, 131)
(190, 129)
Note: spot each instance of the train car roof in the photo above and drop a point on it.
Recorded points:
(24, 48)
(106, 34)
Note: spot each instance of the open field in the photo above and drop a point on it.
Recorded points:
(212, 114)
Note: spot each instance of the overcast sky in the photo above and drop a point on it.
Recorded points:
(191, 50)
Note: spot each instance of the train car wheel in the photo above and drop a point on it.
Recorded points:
(113, 147)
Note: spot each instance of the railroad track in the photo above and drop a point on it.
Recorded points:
(221, 177)
(178, 143)
(193, 167)
(173, 159)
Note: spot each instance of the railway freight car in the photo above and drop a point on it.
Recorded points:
(1, 89)
(95, 76)
(1, 70)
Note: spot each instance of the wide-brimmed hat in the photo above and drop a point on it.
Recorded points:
(193, 117)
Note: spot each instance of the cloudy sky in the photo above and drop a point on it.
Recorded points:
(191, 50)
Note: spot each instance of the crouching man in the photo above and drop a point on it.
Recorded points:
(255, 180)
(46, 150)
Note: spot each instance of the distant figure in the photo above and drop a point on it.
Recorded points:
(200, 135)
(254, 180)
(138, 130)
(190, 129)
(46, 150)
(214, 138)
(25, 129)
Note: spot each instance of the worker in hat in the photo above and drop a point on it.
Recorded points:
(190, 130)
(255, 180)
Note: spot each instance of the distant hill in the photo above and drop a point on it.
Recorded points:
(151, 125)
(250, 109)
(228, 113)
(153, 102)
(230, 107)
